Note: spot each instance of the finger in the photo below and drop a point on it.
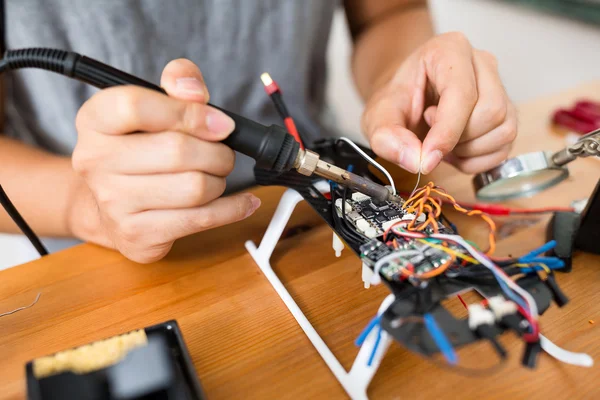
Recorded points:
(175, 224)
(384, 123)
(491, 109)
(166, 152)
(489, 143)
(182, 79)
(128, 109)
(164, 191)
(479, 164)
(429, 115)
(453, 77)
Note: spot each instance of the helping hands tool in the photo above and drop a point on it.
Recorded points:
(530, 173)
(271, 146)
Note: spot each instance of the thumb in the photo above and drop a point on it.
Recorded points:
(385, 124)
(183, 80)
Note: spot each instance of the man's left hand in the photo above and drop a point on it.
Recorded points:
(446, 101)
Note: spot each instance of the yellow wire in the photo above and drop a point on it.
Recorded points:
(450, 251)
(544, 266)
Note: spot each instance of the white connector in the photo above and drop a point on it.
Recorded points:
(337, 245)
(501, 307)
(387, 224)
(338, 204)
(479, 315)
(371, 232)
(367, 275)
(357, 196)
(362, 225)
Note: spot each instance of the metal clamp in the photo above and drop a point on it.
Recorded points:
(587, 146)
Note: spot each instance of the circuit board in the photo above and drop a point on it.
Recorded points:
(369, 217)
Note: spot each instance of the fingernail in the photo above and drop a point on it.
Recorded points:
(387, 145)
(409, 160)
(219, 123)
(431, 161)
(190, 85)
(255, 203)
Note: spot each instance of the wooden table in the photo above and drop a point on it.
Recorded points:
(243, 341)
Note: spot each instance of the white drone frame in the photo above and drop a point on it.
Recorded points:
(356, 381)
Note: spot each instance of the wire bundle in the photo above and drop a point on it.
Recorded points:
(423, 201)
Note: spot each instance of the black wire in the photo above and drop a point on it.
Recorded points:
(280, 105)
(21, 223)
(11, 210)
(283, 112)
(346, 231)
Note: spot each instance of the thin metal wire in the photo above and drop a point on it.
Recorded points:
(416, 184)
(22, 308)
(373, 162)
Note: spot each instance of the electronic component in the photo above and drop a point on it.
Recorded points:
(358, 197)
(377, 214)
(373, 251)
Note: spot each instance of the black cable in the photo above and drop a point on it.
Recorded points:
(21, 223)
(348, 233)
(11, 210)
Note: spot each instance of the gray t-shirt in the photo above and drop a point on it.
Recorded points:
(233, 42)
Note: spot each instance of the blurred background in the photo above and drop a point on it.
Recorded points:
(542, 46)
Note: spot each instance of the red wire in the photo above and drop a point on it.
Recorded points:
(291, 127)
(496, 209)
(534, 335)
(462, 301)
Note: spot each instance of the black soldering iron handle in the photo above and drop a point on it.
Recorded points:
(272, 147)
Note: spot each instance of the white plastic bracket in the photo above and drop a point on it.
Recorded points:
(356, 381)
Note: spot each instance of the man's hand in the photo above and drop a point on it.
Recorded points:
(456, 89)
(153, 166)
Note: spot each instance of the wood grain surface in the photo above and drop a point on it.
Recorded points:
(243, 341)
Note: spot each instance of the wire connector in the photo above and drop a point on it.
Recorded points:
(502, 307)
(479, 316)
(482, 321)
(271, 86)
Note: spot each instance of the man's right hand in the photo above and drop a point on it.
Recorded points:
(153, 166)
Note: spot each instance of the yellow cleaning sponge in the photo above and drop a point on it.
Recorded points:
(90, 357)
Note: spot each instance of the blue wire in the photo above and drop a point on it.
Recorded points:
(541, 250)
(440, 339)
(374, 351)
(350, 168)
(363, 335)
(549, 261)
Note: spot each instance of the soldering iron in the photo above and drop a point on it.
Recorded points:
(271, 146)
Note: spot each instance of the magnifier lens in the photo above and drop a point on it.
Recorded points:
(522, 185)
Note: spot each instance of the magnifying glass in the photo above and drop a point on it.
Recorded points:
(528, 174)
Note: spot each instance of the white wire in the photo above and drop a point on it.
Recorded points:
(373, 162)
(376, 279)
(568, 357)
(492, 267)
